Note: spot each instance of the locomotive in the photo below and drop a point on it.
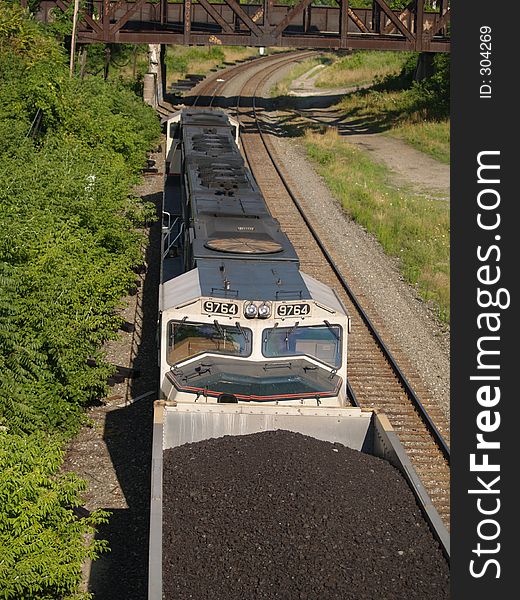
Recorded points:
(238, 321)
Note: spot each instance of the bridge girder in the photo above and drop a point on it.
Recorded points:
(230, 23)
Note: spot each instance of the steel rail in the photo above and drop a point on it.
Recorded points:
(422, 411)
(279, 59)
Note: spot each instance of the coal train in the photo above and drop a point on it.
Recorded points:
(247, 342)
(238, 321)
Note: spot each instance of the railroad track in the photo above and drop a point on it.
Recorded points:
(376, 380)
(211, 88)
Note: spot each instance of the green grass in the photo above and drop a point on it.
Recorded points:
(431, 137)
(361, 67)
(410, 227)
(340, 70)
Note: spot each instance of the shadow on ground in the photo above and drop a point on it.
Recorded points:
(301, 113)
(123, 572)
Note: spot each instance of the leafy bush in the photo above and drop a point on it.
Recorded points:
(67, 270)
(22, 36)
(431, 95)
(42, 541)
(68, 242)
(68, 239)
(435, 90)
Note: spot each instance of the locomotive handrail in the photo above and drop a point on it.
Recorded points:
(225, 291)
(168, 215)
(167, 235)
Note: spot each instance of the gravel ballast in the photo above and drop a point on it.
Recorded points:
(283, 515)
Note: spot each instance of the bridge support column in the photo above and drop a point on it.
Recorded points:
(162, 67)
(424, 68)
(153, 84)
(149, 89)
(82, 61)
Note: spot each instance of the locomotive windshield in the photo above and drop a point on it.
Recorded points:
(279, 380)
(188, 339)
(322, 342)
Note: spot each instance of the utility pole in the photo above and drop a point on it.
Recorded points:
(73, 40)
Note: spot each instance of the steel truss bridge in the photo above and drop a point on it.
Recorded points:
(301, 25)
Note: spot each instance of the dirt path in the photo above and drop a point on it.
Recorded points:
(305, 85)
(410, 168)
(425, 175)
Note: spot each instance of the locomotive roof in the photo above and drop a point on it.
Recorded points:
(208, 135)
(223, 186)
(235, 279)
(246, 205)
(266, 281)
(241, 238)
(209, 142)
(204, 117)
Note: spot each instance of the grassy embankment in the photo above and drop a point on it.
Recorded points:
(418, 113)
(360, 68)
(408, 226)
(340, 71)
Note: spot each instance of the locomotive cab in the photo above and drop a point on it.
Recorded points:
(281, 351)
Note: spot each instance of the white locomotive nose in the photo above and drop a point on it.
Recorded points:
(264, 311)
(250, 311)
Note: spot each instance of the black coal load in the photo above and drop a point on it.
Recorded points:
(282, 515)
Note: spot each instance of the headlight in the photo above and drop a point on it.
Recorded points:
(264, 311)
(250, 311)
